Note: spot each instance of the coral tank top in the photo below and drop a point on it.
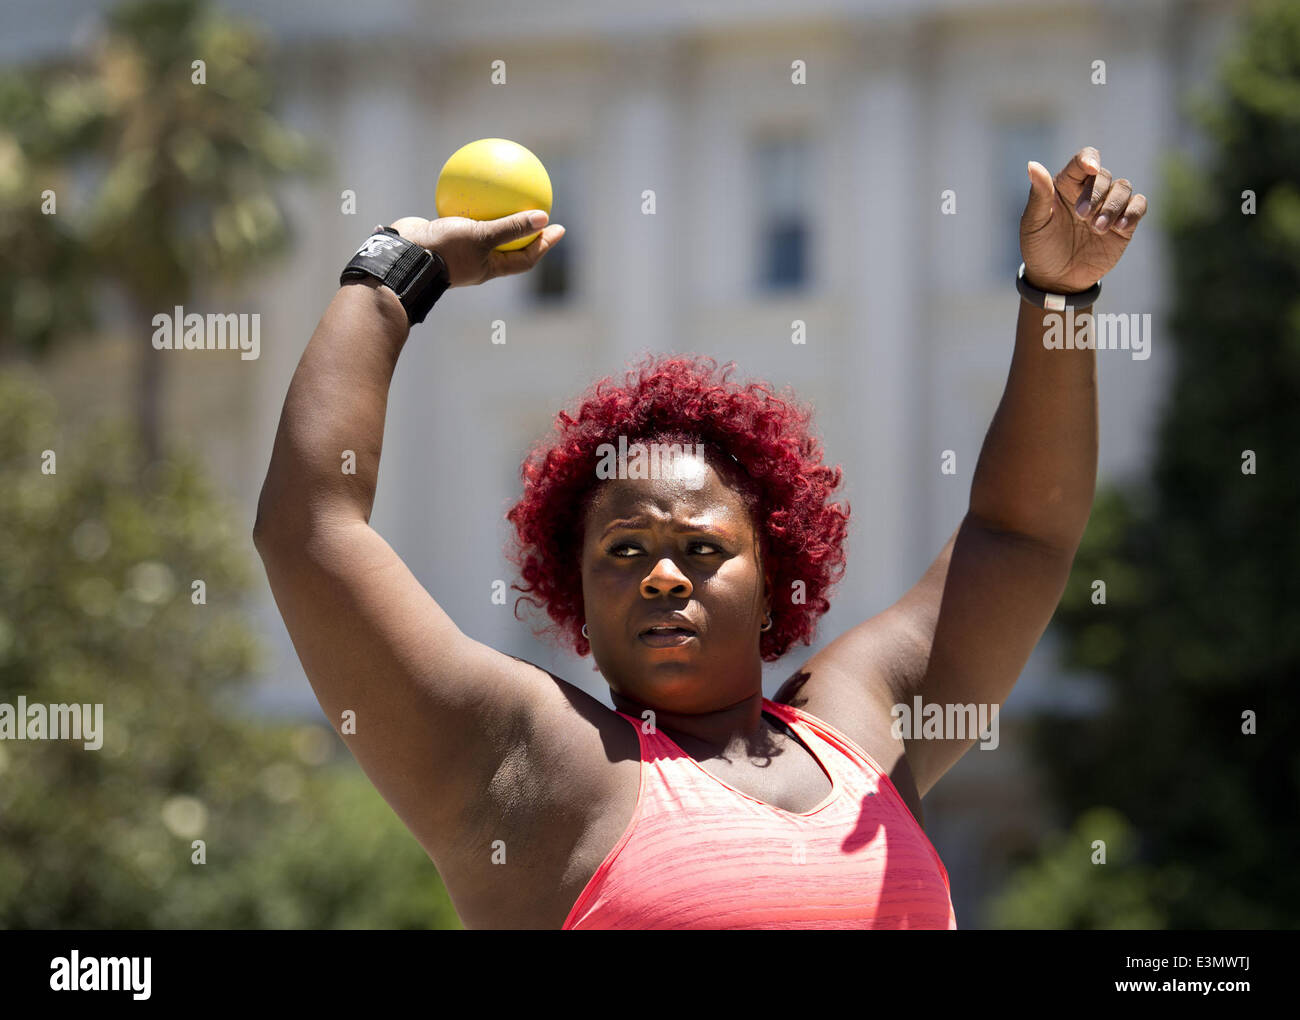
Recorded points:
(699, 854)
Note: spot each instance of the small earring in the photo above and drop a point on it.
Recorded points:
(584, 632)
(768, 624)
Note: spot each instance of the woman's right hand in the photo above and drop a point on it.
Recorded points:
(466, 245)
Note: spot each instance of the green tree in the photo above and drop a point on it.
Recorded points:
(189, 153)
(97, 569)
(1202, 566)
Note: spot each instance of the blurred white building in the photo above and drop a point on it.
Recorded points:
(775, 201)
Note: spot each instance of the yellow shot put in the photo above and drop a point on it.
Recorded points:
(491, 178)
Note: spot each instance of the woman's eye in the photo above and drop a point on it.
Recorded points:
(614, 550)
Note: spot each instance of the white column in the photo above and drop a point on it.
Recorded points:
(633, 253)
(877, 245)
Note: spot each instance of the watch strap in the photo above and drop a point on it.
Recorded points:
(416, 275)
(1055, 302)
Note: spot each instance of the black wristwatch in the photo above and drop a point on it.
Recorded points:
(416, 275)
(1055, 302)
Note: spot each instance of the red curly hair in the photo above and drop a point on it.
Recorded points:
(760, 445)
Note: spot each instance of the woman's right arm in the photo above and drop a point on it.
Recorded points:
(437, 714)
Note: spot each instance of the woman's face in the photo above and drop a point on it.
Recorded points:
(686, 545)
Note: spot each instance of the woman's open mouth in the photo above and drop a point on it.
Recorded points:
(666, 636)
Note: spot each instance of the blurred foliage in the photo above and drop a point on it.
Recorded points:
(38, 251)
(96, 567)
(162, 174)
(1056, 892)
(1202, 566)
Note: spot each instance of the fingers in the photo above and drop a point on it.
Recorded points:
(1133, 212)
(1092, 194)
(1106, 204)
(510, 228)
(504, 263)
(1071, 180)
(1113, 205)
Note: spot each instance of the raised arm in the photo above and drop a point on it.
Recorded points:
(977, 617)
(963, 633)
(434, 713)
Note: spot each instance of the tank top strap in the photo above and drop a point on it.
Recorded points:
(850, 764)
(869, 777)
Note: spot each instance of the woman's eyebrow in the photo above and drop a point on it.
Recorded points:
(706, 524)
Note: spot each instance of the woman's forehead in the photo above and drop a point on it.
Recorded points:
(665, 500)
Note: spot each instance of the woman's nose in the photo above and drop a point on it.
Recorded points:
(666, 578)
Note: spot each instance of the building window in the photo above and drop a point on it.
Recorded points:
(1017, 141)
(552, 279)
(781, 197)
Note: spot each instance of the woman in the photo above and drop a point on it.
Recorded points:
(698, 803)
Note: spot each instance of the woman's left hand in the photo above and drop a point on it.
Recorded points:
(1066, 250)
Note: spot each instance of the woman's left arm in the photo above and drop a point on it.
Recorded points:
(976, 618)
(1037, 471)
(962, 635)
